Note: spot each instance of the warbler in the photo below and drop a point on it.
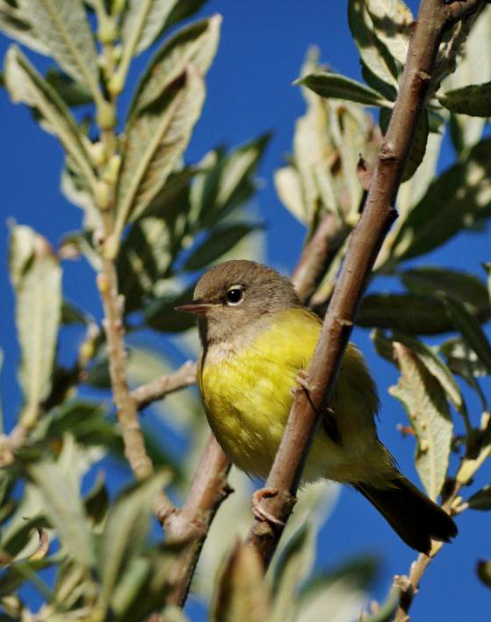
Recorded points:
(256, 338)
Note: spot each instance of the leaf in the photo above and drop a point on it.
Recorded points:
(219, 242)
(457, 200)
(418, 147)
(289, 189)
(374, 55)
(409, 313)
(97, 501)
(71, 92)
(461, 358)
(293, 566)
(156, 140)
(63, 28)
(336, 86)
(241, 594)
(196, 44)
(483, 570)
(481, 500)
(144, 19)
(470, 330)
(15, 23)
(64, 509)
(162, 316)
(461, 286)
(126, 529)
(473, 100)
(26, 85)
(427, 409)
(36, 277)
(392, 21)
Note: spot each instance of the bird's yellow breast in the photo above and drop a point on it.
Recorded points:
(248, 395)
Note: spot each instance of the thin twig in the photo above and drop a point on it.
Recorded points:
(157, 389)
(365, 242)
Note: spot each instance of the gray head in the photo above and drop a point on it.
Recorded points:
(236, 296)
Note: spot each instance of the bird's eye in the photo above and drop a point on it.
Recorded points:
(235, 295)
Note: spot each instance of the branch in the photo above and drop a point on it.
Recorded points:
(364, 245)
(155, 390)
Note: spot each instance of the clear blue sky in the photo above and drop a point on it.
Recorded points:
(250, 91)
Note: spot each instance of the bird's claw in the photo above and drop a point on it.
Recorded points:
(302, 383)
(260, 513)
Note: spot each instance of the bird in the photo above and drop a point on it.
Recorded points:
(257, 339)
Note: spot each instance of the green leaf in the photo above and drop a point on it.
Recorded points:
(71, 92)
(409, 313)
(427, 409)
(461, 286)
(220, 241)
(473, 100)
(241, 594)
(470, 330)
(374, 54)
(162, 316)
(1, 410)
(156, 140)
(15, 23)
(126, 529)
(336, 86)
(71, 314)
(292, 568)
(461, 358)
(418, 148)
(25, 85)
(97, 501)
(64, 509)
(457, 200)
(392, 21)
(63, 28)
(483, 570)
(36, 277)
(196, 43)
(481, 500)
(144, 19)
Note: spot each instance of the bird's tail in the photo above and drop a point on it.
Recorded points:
(412, 515)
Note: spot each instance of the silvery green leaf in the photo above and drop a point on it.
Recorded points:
(289, 189)
(392, 20)
(156, 139)
(63, 28)
(241, 595)
(143, 20)
(457, 199)
(427, 409)
(374, 54)
(71, 92)
(336, 86)
(481, 500)
(25, 85)
(126, 529)
(473, 100)
(36, 277)
(467, 131)
(64, 509)
(15, 23)
(196, 43)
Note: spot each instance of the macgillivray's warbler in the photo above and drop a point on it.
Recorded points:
(256, 338)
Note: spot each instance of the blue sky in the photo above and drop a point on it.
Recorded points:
(249, 92)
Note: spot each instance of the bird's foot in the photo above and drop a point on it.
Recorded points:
(260, 513)
(302, 383)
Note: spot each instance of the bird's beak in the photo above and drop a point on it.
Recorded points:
(200, 307)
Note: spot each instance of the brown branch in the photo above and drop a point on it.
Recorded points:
(318, 255)
(365, 242)
(157, 389)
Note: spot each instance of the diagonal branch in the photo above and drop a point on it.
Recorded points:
(367, 238)
(157, 389)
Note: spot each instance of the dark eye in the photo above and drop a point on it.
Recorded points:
(235, 295)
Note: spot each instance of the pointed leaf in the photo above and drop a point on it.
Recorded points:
(15, 23)
(392, 21)
(156, 140)
(473, 100)
(64, 509)
(470, 330)
(126, 529)
(63, 28)
(36, 276)
(483, 570)
(241, 594)
(26, 85)
(161, 315)
(336, 86)
(459, 198)
(481, 500)
(427, 409)
(71, 92)
(196, 44)
(144, 20)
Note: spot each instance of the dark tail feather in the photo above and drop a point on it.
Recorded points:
(410, 513)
